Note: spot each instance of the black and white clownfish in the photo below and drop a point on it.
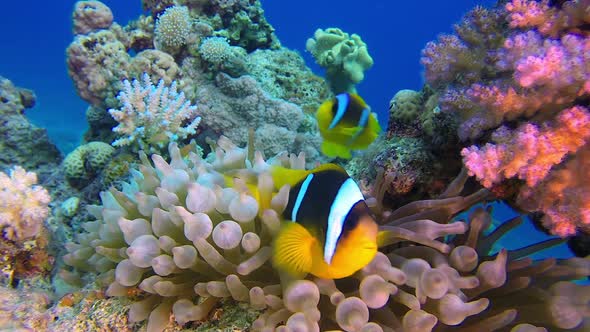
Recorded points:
(329, 231)
(346, 123)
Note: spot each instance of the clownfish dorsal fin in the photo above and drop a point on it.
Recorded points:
(282, 176)
(292, 249)
(358, 99)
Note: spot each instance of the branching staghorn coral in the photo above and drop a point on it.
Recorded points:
(190, 232)
(152, 116)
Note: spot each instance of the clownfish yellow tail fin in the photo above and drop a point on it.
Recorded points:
(373, 124)
(292, 249)
(332, 149)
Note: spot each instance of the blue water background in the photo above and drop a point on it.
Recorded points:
(35, 36)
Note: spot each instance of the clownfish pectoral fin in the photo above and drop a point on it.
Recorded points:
(332, 149)
(384, 238)
(292, 249)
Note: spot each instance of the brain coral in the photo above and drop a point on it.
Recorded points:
(86, 161)
(184, 234)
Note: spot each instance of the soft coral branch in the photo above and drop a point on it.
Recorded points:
(563, 197)
(530, 151)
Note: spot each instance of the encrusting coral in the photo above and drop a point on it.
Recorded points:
(91, 15)
(184, 234)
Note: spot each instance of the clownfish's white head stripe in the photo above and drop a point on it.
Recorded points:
(300, 196)
(343, 100)
(348, 195)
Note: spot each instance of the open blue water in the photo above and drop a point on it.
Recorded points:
(35, 36)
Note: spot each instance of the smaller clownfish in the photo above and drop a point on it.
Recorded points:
(329, 231)
(346, 123)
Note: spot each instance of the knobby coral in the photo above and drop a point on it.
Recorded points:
(91, 15)
(183, 235)
(23, 205)
(173, 28)
(152, 116)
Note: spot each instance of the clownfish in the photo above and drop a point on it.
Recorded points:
(346, 123)
(328, 229)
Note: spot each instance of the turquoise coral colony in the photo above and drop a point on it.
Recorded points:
(206, 195)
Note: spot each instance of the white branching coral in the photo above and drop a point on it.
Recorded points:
(23, 205)
(153, 116)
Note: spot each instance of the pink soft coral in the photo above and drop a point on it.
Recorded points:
(530, 151)
(563, 197)
(23, 205)
(538, 82)
(549, 20)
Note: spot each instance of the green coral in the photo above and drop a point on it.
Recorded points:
(345, 57)
(85, 162)
(234, 316)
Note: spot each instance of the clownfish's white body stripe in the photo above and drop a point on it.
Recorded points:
(343, 100)
(348, 195)
(300, 196)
